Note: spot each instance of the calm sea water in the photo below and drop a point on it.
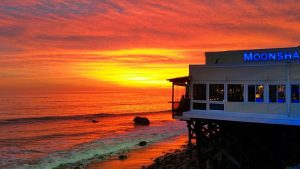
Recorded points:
(52, 130)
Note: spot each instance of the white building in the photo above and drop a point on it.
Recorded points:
(256, 86)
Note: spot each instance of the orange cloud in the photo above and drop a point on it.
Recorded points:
(131, 43)
(135, 67)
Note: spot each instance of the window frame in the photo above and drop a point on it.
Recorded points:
(209, 93)
(277, 93)
(291, 93)
(255, 91)
(205, 91)
(242, 92)
(199, 101)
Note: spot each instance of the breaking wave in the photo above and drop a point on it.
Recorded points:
(103, 148)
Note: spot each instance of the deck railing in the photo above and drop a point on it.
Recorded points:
(179, 107)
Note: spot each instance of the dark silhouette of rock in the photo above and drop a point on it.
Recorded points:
(94, 121)
(80, 166)
(142, 143)
(142, 121)
(77, 167)
(123, 157)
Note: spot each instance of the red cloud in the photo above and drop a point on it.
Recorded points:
(63, 30)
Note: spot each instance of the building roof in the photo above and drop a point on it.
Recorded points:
(179, 79)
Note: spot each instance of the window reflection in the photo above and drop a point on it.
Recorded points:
(277, 93)
(235, 92)
(295, 93)
(199, 91)
(199, 106)
(259, 94)
(256, 93)
(281, 94)
(216, 92)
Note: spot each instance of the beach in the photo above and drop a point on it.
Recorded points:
(146, 157)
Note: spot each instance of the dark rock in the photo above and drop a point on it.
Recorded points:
(123, 157)
(100, 157)
(142, 143)
(94, 121)
(77, 167)
(142, 121)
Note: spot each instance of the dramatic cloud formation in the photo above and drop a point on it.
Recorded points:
(135, 43)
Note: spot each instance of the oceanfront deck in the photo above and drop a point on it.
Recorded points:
(275, 119)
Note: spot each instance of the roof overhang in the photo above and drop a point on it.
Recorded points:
(180, 80)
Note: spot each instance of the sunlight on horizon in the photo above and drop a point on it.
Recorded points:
(131, 76)
(138, 73)
(174, 53)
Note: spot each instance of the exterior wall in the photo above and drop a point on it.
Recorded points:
(294, 72)
(295, 109)
(239, 73)
(265, 74)
(247, 107)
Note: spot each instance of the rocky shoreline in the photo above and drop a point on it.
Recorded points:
(178, 159)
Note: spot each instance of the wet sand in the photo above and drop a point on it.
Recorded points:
(144, 156)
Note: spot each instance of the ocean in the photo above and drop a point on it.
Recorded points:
(56, 130)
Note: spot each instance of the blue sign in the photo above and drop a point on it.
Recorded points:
(271, 56)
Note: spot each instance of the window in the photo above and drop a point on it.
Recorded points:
(256, 93)
(199, 106)
(199, 91)
(214, 106)
(295, 93)
(272, 93)
(251, 93)
(281, 93)
(277, 93)
(235, 92)
(216, 92)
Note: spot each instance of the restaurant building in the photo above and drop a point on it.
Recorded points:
(256, 91)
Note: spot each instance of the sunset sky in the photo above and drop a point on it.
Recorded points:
(102, 45)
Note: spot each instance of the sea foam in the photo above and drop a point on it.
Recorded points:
(106, 147)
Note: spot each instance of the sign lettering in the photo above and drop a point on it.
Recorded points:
(271, 56)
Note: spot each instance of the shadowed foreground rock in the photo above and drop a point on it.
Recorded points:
(179, 159)
(142, 121)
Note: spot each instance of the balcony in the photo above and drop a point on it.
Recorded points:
(180, 95)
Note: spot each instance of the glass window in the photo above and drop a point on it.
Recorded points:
(235, 92)
(251, 93)
(259, 93)
(256, 93)
(214, 106)
(295, 93)
(199, 106)
(277, 93)
(199, 91)
(272, 93)
(216, 92)
(281, 93)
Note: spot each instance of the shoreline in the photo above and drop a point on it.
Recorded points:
(148, 156)
(179, 158)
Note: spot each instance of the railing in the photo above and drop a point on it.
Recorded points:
(179, 107)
